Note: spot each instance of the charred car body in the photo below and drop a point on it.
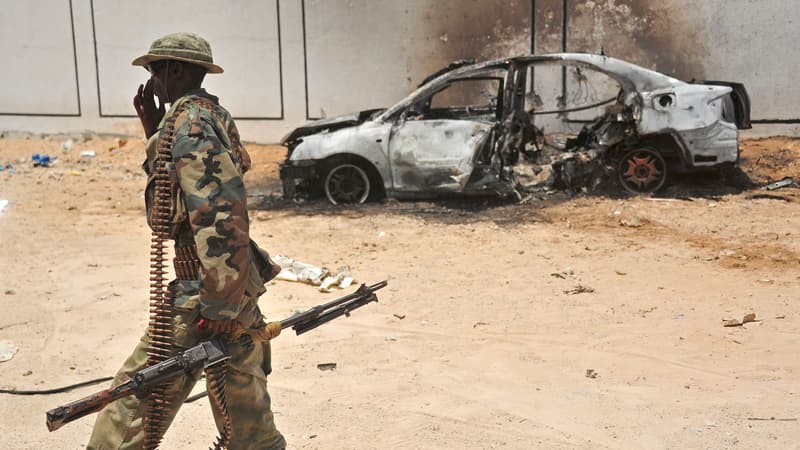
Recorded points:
(465, 130)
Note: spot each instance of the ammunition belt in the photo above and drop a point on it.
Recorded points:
(187, 266)
(186, 263)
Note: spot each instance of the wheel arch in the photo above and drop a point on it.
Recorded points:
(668, 144)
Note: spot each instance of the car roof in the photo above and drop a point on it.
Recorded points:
(631, 77)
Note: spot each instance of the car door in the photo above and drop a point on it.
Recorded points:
(433, 143)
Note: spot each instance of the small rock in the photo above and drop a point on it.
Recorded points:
(7, 350)
(326, 366)
(400, 316)
(579, 289)
(731, 322)
(632, 222)
(27, 373)
(11, 292)
(591, 373)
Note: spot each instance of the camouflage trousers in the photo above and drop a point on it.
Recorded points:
(120, 425)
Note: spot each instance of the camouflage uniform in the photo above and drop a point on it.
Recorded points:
(209, 209)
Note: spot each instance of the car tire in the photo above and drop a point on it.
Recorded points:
(347, 183)
(642, 170)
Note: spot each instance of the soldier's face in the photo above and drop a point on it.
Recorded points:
(159, 72)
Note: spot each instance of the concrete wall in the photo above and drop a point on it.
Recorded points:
(67, 62)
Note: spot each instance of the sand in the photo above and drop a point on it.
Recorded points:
(564, 322)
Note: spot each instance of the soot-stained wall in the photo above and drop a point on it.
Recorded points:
(291, 60)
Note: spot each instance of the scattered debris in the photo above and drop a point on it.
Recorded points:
(300, 272)
(645, 312)
(676, 199)
(67, 145)
(591, 373)
(749, 317)
(326, 366)
(633, 222)
(342, 280)
(769, 197)
(87, 156)
(792, 419)
(563, 274)
(579, 289)
(40, 160)
(7, 350)
(400, 316)
(786, 182)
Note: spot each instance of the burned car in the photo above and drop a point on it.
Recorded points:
(466, 129)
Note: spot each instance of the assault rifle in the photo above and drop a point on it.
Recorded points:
(207, 354)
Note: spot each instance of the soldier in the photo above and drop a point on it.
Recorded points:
(209, 223)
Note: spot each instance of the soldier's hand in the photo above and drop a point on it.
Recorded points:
(145, 105)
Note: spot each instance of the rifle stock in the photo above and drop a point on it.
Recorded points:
(56, 418)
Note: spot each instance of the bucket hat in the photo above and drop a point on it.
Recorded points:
(186, 47)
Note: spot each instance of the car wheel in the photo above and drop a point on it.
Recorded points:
(642, 170)
(347, 183)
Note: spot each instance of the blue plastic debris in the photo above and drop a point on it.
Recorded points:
(40, 160)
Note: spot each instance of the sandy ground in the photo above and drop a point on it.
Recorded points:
(483, 338)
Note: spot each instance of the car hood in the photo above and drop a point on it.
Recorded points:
(329, 124)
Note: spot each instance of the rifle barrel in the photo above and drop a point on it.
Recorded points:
(318, 310)
(333, 313)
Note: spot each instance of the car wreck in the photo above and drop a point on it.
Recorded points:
(473, 128)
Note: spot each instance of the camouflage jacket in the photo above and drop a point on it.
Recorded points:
(209, 204)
